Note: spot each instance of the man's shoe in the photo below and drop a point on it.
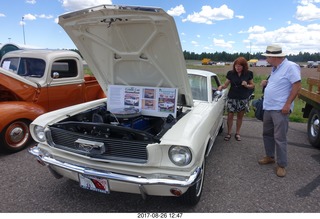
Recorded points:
(281, 171)
(266, 160)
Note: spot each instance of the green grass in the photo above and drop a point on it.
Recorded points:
(87, 71)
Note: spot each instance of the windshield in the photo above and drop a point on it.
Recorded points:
(25, 66)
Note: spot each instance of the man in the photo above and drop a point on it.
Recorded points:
(281, 89)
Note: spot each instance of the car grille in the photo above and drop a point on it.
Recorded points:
(114, 149)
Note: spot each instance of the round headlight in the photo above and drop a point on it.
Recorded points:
(39, 133)
(180, 155)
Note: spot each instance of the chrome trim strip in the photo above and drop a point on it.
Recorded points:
(185, 182)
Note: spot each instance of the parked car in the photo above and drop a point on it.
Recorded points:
(131, 101)
(262, 63)
(147, 152)
(166, 105)
(313, 64)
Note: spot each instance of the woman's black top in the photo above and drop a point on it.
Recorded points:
(238, 91)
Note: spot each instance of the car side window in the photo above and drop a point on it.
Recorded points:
(10, 64)
(64, 69)
(198, 87)
(30, 67)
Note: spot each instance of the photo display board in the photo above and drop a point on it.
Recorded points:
(151, 101)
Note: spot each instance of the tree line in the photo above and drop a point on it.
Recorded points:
(228, 57)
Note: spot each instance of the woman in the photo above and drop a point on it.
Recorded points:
(241, 81)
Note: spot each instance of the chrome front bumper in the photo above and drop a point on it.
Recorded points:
(169, 180)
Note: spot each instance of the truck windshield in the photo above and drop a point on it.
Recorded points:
(25, 66)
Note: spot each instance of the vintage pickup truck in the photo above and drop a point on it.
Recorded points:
(311, 96)
(154, 144)
(33, 82)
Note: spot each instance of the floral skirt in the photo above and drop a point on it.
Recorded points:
(235, 105)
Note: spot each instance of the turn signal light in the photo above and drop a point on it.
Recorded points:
(176, 192)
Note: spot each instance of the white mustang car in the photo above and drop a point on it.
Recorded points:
(107, 146)
(166, 105)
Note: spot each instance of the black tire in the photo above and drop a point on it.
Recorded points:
(193, 194)
(15, 136)
(314, 128)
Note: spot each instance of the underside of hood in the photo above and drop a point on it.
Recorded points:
(125, 45)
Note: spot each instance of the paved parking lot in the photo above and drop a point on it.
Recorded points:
(234, 182)
(242, 185)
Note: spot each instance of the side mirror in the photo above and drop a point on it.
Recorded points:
(55, 75)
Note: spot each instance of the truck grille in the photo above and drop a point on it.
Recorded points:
(112, 149)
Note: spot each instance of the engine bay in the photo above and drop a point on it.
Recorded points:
(126, 124)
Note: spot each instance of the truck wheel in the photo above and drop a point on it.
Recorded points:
(193, 194)
(314, 128)
(15, 136)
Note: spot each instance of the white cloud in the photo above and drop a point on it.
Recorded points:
(239, 16)
(2, 15)
(207, 48)
(313, 27)
(294, 38)
(195, 43)
(71, 5)
(305, 2)
(256, 29)
(29, 17)
(222, 43)
(207, 14)
(45, 16)
(31, 2)
(176, 11)
(307, 12)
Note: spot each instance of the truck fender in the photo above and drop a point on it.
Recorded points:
(13, 110)
(14, 124)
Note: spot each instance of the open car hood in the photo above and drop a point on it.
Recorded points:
(130, 45)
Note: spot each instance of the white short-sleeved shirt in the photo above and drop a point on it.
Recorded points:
(280, 84)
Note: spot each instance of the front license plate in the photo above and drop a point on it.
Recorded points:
(94, 183)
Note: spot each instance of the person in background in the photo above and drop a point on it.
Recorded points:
(281, 89)
(240, 79)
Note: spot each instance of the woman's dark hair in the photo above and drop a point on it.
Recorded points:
(243, 62)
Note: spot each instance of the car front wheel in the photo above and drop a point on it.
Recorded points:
(192, 196)
(15, 136)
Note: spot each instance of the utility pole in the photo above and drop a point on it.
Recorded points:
(24, 37)
(250, 51)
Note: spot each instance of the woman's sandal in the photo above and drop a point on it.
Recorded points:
(237, 137)
(227, 138)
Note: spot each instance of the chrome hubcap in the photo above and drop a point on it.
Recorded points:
(315, 127)
(17, 134)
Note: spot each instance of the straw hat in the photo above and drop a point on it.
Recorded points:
(274, 51)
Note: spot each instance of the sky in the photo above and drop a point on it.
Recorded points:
(203, 25)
